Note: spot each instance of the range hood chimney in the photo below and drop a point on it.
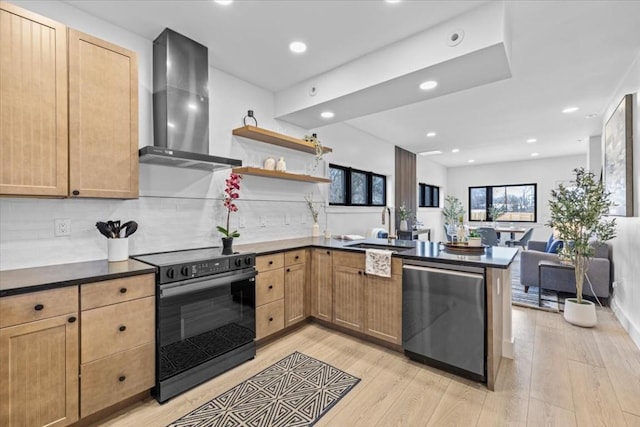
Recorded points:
(181, 106)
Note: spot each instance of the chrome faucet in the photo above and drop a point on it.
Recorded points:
(387, 209)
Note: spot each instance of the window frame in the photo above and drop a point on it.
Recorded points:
(422, 187)
(489, 201)
(369, 187)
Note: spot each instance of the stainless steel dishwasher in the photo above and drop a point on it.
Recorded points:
(444, 317)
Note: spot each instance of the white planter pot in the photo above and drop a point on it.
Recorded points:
(580, 314)
(403, 225)
(118, 249)
(315, 230)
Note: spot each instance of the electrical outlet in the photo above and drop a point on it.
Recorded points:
(287, 219)
(241, 222)
(62, 227)
(263, 221)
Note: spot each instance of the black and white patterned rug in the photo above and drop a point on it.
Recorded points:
(296, 391)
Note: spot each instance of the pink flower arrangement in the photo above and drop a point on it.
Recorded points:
(231, 193)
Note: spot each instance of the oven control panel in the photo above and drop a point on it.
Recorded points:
(184, 271)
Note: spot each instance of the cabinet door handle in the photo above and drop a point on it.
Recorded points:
(122, 378)
(123, 290)
(328, 252)
(288, 270)
(122, 328)
(38, 307)
(270, 262)
(71, 319)
(360, 272)
(75, 193)
(270, 286)
(270, 319)
(297, 257)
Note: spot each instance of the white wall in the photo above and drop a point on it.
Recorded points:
(546, 173)
(428, 172)
(626, 246)
(180, 208)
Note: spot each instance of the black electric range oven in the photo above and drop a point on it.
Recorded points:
(205, 316)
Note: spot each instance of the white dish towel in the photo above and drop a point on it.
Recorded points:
(378, 262)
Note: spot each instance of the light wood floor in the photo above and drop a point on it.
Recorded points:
(562, 376)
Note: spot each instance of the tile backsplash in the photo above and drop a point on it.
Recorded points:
(165, 223)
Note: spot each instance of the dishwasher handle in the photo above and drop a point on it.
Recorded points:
(443, 271)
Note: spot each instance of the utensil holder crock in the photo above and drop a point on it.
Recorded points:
(118, 249)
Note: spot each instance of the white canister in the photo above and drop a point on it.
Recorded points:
(315, 230)
(118, 249)
(281, 166)
(270, 164)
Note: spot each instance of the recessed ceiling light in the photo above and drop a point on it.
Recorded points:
(430, 153)
(192, 106)
(534, 154)
(327, 114)
(171, 125)
(297, 47)
(471, 160)
(430, 84)
(455, 150)
(591, 116)
(570, 110)
(431, 134)
(392, 1)
(531, 140)
(223, 2)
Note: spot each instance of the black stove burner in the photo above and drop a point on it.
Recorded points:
(190, 352)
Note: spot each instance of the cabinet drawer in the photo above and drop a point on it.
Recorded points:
(349, 259)
(269, 286)
(269, 318)
(112, 379)
(294, 257)
(25, 308)
(269, 262)
(114, 291)
(108, 330)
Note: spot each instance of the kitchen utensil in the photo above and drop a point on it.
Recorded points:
(130, 227)
(104, 229)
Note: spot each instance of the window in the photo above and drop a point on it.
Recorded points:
(429, 196)
(517, 201)
(353, 187)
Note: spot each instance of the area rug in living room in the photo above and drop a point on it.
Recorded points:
(549, 299)
(296, 391)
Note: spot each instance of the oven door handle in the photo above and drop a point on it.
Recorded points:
(204, 283)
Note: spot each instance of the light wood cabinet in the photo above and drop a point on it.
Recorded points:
(65, 130)
(294, 287)
(117, 341)
(321, 284)
(269, 294)
(103, 118)
(33, 106)
(348, 301)
(364, 302)
(39, 362)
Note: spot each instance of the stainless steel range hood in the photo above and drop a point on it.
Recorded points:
(181, 106)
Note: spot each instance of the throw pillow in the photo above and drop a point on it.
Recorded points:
(549, 242)
(555, 246)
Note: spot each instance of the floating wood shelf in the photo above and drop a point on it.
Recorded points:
(247, 170)
(270, 137)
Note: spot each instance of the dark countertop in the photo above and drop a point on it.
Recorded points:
(13, 282)
(24, 280)
(493, 257)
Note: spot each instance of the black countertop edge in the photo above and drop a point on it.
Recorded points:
(496, 257)
(35, 279)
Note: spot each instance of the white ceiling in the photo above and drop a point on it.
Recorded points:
(562, 53)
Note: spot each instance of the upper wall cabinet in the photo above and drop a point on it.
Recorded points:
(86, 148)
(103, 118)
(33, 104)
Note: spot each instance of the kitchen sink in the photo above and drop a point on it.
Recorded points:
(392, 248)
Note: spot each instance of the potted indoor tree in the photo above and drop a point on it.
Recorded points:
(577, 213)
(452, 211)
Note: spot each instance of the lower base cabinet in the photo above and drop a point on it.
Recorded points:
(269, 318)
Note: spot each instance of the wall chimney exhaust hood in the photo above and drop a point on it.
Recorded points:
(181, 106)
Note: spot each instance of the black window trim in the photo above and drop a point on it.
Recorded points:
(489, 200)
(421, 188)
(369, 175)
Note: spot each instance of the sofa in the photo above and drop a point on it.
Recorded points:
(563, 279)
